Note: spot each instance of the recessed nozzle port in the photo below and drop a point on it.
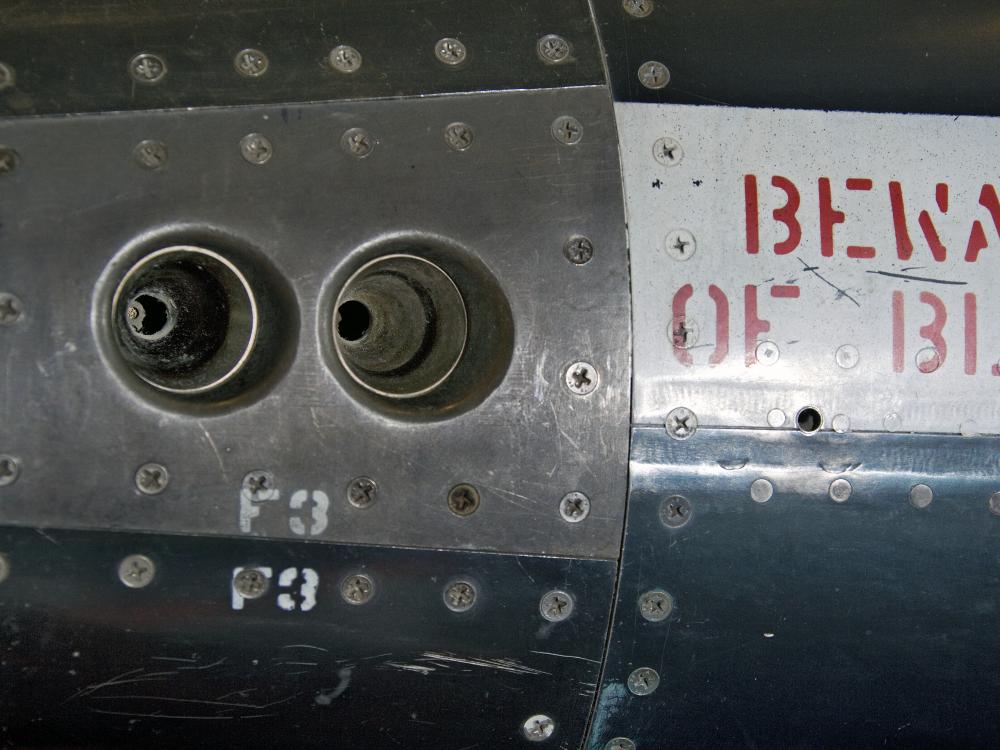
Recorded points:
(400, 326)
(185, 319)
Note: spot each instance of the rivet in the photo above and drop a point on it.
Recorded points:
(767, 353)
(994, 503)
(251, 583)
(776, 418)
(840, 490)
(921, 496)
(761, 490)
(847, 356)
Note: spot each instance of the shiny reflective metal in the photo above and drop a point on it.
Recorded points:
(358, 588)
(8, 78)
(150, 154)
(554, 49)
(681, 423)
(357, 142)
(362, 492)
(459, 136)
(251, 583)
(680, 244)
(994, 503)
(656, 605)
(460, 596)
(147, 68)
(136, 571)
(450, 51)
(567, 130)
(620, 743)
(574, 507)
(10, 469)
(761, 490)
(345, 59)
(152, 478)
(538, 728)
(4, 567)
(556, 606)
(676, 511)
(921, 496)
(582, 378)
(251, 63)
(463, 500)
(579, 250)
(11, 308)
(643, 681)
(256, 148)
(767, 353)
(653, 74)
(638, 8)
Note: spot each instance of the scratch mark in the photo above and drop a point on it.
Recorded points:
(215, 450)
(207, 666)
(159, 715)
(306, 645)
(501, 665)
(521, 566)
(919, 278)
(46, 536)
(814, 270)
(411, 667)
(568, 656)
(196, 701)
(173, 658)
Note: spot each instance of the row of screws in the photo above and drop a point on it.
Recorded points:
(149, 69)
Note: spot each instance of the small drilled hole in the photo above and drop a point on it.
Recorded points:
(148, 315)
(353, 320)
(809, 420)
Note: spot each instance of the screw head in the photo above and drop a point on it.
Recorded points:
(682, 423)
(459, 136)
(676, 511)
(767, 353)
(358, 142)
(840, 490)
(656, 605)
(10, 470)
(460, 596)
(251, 583)
(668, 151)
(357, 589)
(761, 490)
(251, 63)
(463, 500)
(450, 51)
(4, 567)
(654, 75)
(147, 68)
(574, 507)
(638, 8)
(11, 308)
(921, 496)
(579, 250)
(680, 244)
(556, 606)
(538, 728)
(643, 681)
(152, 479)
(259, 484)
(841, 423)
(8, 159)
(345, 59)
(567, 130)
(361, 492)
(256, 149)
(150, 154)
(847, 356)
(620, 743)
(7, 77)
(553, 49)
(995, 503)
(582, 378)
(136, 571)
(683, 333)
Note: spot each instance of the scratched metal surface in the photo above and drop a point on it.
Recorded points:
(72, 55)
(894, 56)
(800, 621)
(81, 429)
(884, 325)
(85, 661)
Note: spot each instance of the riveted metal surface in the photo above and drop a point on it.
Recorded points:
(803, 621)
(845, 262)
(86, 661)
(74, 56)
(894, 56)
(510, 202)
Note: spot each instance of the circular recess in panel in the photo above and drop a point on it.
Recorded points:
(416, 328)
(194, 321)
